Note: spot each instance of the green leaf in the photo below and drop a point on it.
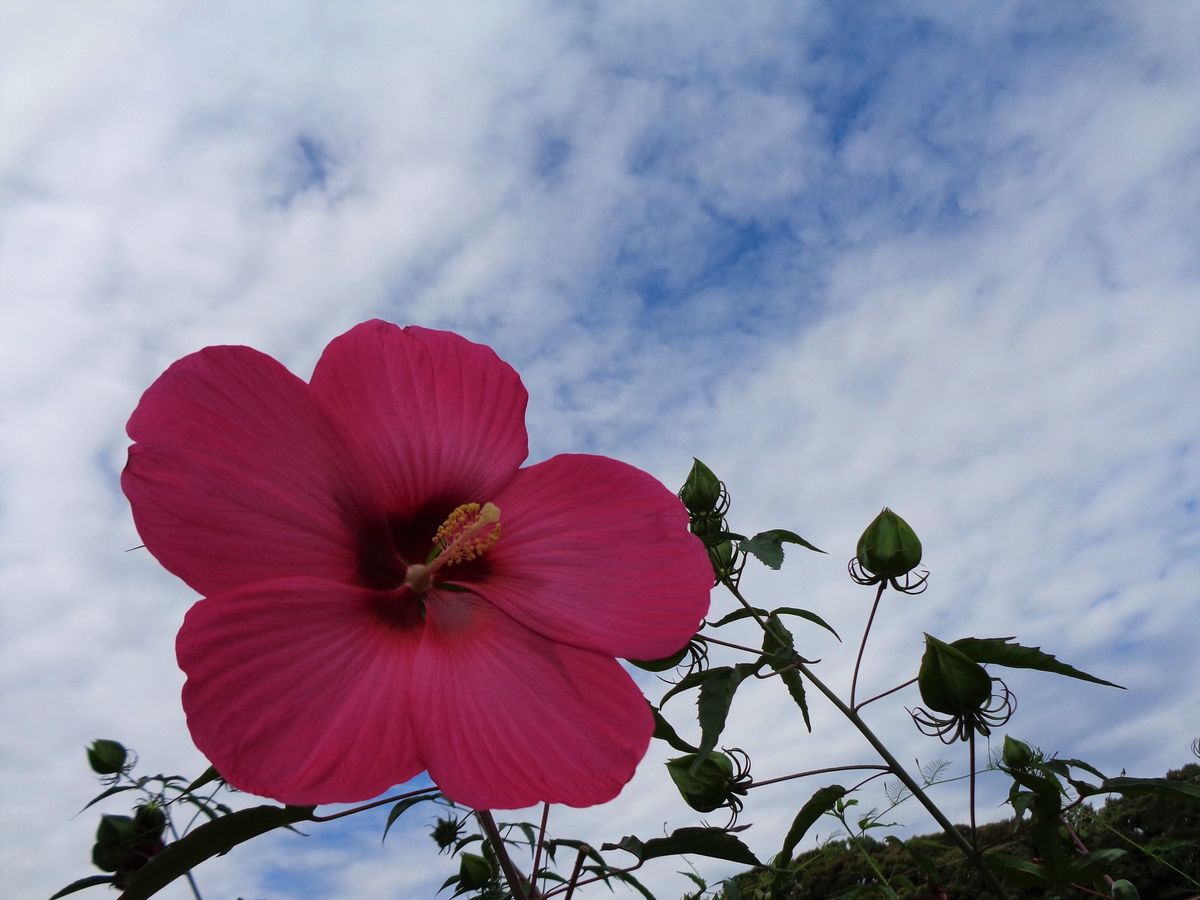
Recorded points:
(779, 653)
(588, 850)
(209, 840)
(687, 682)
(208, 776)
(716, 843)
(659, 665)
(806, 614)
(1047, 793)
(1095, 864)
(626, 878)
(716, 696)
(744, 613)
(90, 881)
(474, 872)
(664, 731)
(740, 613)
(1021, 872)
(818, 804)
(401, 807)
(108, 793)
(696, 880)
(768, 545)
(1063, 766)
(1000, 652)
(795, 685)
(1163, 787)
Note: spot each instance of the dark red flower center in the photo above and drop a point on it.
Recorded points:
(469, 532)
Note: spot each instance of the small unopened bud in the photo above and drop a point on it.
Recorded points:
(950, 681)
(106, 757)
(705, 783)
(1123, 889)
(125, 844)
(474, 872)
(889, 548)
(150, 820)
(446, 832)
(702, 491)
(113, 837)
(1017, 754)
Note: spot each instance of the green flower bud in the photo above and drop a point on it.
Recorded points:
(950, 681)
(702, 491)
(474, 872)
(706, 786)
(1123, 889)
(106, 757)
(113, 837)
(723, 557)
(889, 548)
(150, 820)
(446, 832)
(1017, 754)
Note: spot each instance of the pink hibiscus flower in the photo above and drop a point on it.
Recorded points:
(386, 591)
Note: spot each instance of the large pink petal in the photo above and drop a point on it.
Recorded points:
(596, 553)
(506, 718)
(239, 475)
(298, 689)
(441, 418)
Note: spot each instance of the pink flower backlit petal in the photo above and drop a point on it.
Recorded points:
(440, 418)
(506, 719)
(596, 553)
(298, 690)
(238, 475)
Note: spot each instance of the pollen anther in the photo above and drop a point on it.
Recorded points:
(469, 532)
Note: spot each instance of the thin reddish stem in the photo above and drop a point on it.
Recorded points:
(511, 874)
(817, 772)
(971, 751)
(578, 867)
(863, 645)
(898, 687)
(537, 854)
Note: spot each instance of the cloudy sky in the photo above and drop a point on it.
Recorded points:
(940, 257)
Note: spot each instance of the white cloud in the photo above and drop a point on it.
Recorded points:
(939, 263)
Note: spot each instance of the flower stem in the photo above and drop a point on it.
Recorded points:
(712, 640)
(971, 752)
(894, 764)
(537, 854)
(755, 784)
(907, 780)
(880, 696)
(574, 880)
(863, 646)
(516, 883)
